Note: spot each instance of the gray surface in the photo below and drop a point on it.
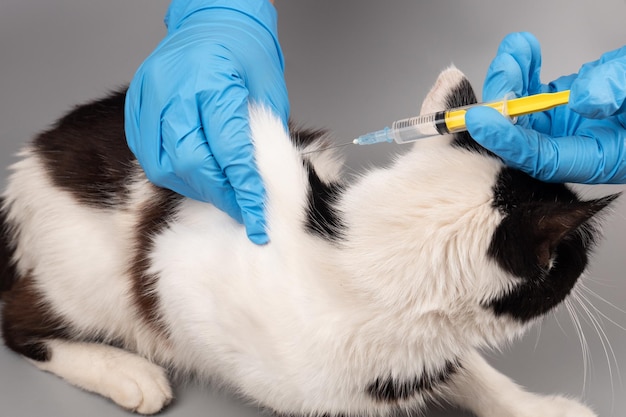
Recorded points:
(352, 66)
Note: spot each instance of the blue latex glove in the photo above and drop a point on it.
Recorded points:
(187, 106)
(583, 142)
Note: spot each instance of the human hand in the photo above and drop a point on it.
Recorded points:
(582, 142)
(187, 106)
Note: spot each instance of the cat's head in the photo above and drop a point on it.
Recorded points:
(545, 234)
(486, 246)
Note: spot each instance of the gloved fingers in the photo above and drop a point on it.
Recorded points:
(518, 147)
(616, 54)
(619, 53)
(143, 133)
(596, 155)
(529, 58)
(622, 119)
(600, 90)
(504, 76)
(602, 147)
(525, 51)
(187, 156)
(224, 116)
(598, 158)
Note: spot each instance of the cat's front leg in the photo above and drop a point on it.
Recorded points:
(128, 379)
(478, 387)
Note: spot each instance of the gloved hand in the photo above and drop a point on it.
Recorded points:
(187, 106)
(582, 142)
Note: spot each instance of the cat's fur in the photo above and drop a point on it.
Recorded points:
(371, 297)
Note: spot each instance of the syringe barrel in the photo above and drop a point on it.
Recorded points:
(418, 127)
(439, 123)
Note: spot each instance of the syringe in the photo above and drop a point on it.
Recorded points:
(452, 121)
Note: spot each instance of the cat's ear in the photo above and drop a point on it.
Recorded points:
(452, 89)
(532, 234)
(550, 223)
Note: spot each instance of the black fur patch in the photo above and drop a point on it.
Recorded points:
(461, 95)
(156, 214)
(389, 389)
(302, 138)
(544, 240)
(28, 321)
(323, 218)
(86, 152)
(8, 273)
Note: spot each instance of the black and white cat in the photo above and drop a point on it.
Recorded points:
(372, 296)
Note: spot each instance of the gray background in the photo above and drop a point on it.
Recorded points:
(352, 66)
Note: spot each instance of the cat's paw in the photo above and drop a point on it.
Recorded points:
(138, 385)
(129, 380)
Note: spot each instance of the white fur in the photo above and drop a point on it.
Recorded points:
(300, 325)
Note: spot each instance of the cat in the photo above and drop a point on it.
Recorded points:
(373, 296)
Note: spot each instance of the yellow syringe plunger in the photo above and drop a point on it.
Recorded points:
(455, 119)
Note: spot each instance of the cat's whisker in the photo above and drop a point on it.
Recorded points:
(607, 282)
(604, 339)
(584, 346)
(604, 300)
(598, 311)
(556, 318)
(538, 335)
